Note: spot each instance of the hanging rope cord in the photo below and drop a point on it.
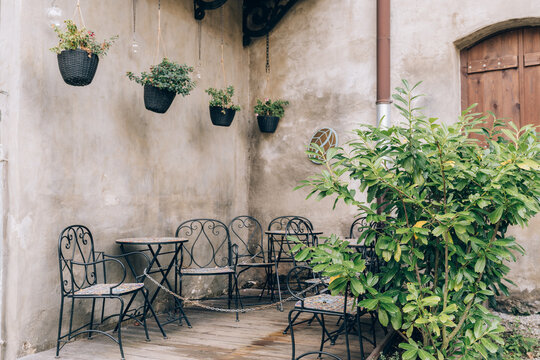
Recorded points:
(79, 13)
(197, 302)
(222, 51)
(159, 36)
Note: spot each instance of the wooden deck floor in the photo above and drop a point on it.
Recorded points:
(258, 335)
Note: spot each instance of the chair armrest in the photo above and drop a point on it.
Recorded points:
(103, 261)
(126, 255)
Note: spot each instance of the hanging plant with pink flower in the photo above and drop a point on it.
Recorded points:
(78, 53)
(268, 113)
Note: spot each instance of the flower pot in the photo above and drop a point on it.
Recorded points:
(221, 116)
(76, 67)
(157, 100)
(267, 124)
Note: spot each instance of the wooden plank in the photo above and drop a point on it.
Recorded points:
(531, 77)
(499, 63)
(531, 59)
(214, 336)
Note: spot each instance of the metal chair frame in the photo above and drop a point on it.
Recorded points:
(76, 242)
(247, 232)
(350, 321)
(204, 231)
(318, 353)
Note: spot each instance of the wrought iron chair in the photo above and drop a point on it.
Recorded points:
(208, 252)
(280, 223)
(78, 262)
(358, 228)
(300, 229)
(318, 353)
(247, 233)
(320, 305)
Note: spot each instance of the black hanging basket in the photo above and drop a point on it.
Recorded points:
(221, 116)
(267, 124)
(157, 100)
(76, 67)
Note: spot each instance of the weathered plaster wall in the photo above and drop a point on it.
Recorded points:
(323, 61)
(94, 155)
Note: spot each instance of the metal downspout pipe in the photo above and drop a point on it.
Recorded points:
(383, 64)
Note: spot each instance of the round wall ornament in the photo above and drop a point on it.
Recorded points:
(325, 138)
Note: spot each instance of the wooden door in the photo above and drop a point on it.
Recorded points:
(502, 75)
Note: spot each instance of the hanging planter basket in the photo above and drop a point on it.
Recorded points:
(221, 116)
(76, 67)
(267, 124)
(157, 100)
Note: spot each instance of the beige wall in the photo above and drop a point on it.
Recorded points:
(94, 155)
(323, 62)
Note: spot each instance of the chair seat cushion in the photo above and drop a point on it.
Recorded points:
(208, 271)
(326, 302)
(105, 289)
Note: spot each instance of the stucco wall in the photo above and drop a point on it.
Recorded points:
(94, 155)
(323, 61)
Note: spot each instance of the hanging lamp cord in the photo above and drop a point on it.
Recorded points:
(79, 12)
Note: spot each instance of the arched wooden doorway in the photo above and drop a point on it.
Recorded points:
(502, 74)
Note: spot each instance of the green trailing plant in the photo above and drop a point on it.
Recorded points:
(448, 199)
(270, 108)
(222, 98)
(167, 75)
(74, 38)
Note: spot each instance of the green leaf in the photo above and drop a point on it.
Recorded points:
(369, 304)
(496, 214)
(425, 355)
(480, 264)
(383, 317)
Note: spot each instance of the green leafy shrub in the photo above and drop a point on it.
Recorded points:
(448, 200)
(270, 108)
(74, 38)
(167, 75)
(222, 98)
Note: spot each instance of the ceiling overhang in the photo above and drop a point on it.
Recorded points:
(259, 17)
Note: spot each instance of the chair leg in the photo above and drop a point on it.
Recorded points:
(102, 311)
(92, 318)
(119, 326)
(229, 292)
(60, 325)
(346, 323)
(278, 286)
(71, 318)
(322, 332)
(292, 332)
(145, 311)
(360, 337)
(237, 295)
(289, 326)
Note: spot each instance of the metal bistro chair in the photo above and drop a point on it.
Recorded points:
(247, 233)
(280, 223)
(79, 281)
(300, 229)
(318, 353)
(320, 305)
(358, 228)
(208, 253)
